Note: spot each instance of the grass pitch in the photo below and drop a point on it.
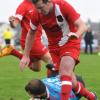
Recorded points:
(12, 80)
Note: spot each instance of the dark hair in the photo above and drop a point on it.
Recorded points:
(35, 1)
(35, 87)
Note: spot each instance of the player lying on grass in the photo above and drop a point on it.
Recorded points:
(48, 89)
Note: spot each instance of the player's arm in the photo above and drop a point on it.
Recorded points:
(28, 44)
(19, 14)
(81, 27)
(29, 41)
(34, 26)
(74, 17)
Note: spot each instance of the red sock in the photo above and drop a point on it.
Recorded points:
(17, 54)
(66, 82)
(80, 89)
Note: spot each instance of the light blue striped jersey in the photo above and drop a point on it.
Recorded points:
(54, 87)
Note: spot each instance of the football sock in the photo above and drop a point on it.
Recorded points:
(66, 87)
(17, 53)
(80, 89)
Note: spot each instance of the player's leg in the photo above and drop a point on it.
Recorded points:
(10, 50)
(47, 57)
(67, 63)
(78, 86)
(53, 69)
(66, 67)
(76, 78)
(66, 81)
(80, 79)
(38, 52)
(80, 89)
(35, 65)
(36, 62)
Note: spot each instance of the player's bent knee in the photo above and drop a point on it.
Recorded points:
(36, 69)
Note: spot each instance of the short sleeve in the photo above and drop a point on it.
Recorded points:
(69, 12)
(34, 22)
(21, 11)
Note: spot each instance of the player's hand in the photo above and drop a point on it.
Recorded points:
(11, 18)
(72, 35)
(12, 21)
(24, 62)
(65, 38)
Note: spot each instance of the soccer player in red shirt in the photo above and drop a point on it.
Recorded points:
(38, 52)
(64, 28)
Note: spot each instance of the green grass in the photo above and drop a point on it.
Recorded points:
(12, 80)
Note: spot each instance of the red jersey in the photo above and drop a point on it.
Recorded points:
(24, 13)
(59, 22)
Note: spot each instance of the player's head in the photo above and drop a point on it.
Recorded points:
(43, 6)
(37, 89)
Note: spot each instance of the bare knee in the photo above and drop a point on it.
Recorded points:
(47, 58)
(67, 65)
(35, 68)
